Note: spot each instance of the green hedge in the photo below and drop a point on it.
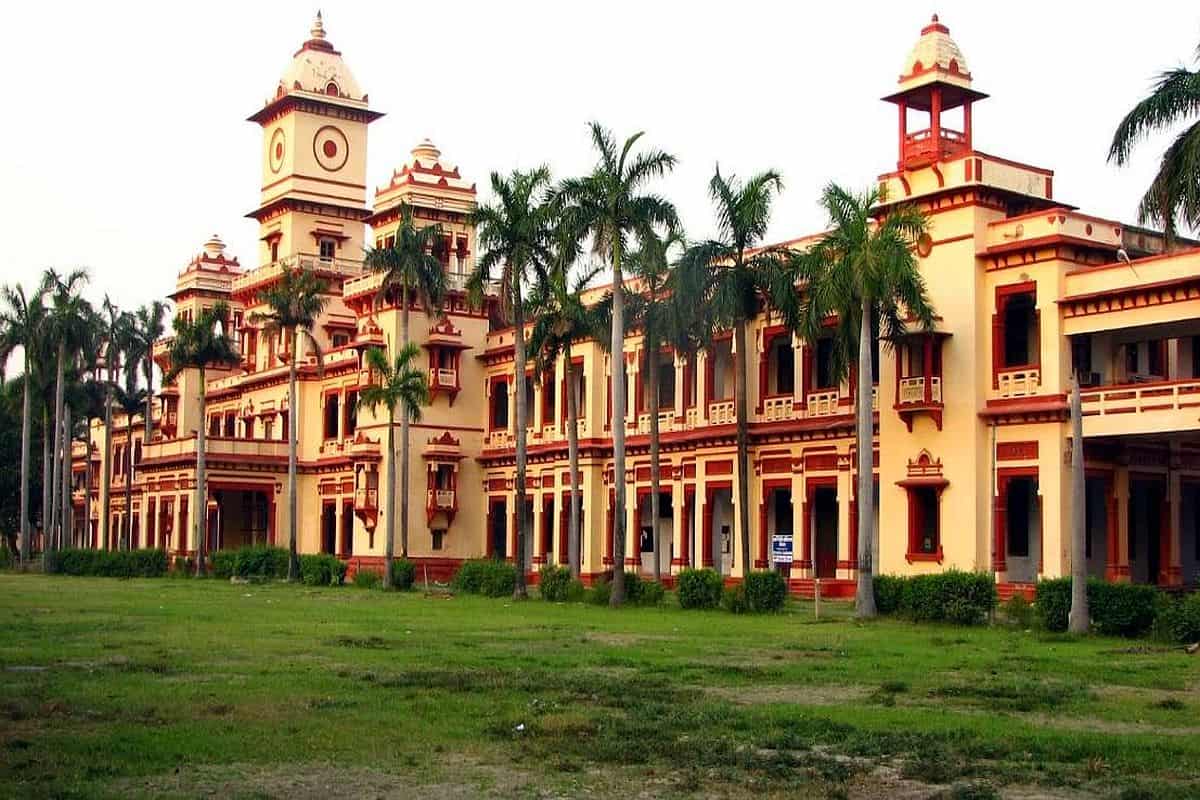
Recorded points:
(638, 592)
(107, 563)
(367, 579)
(321, 570)
(1116, 609)
(250, 562)
(960, 598)
(699, 588)
(766, 591)
(404, 574)
(487, 577)
(1179, 620)
(554, 583)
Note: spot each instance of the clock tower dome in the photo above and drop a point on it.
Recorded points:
(314, 159)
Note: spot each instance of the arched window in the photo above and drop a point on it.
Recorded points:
(331, 89)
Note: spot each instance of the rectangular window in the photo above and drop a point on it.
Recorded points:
(1156, 350)
(785, 367)
(499, 405)
(267, 425)
(331, 416)
(925, 521)
(824, 365)
(439, 536)
(274, 250)
(666, 385)
(341, 339)
(328, 248)
(351, 423)
(1020, 513)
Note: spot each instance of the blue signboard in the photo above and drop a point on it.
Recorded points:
(781, 549)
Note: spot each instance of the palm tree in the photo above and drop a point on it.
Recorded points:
(610, 204)
(67, 325)
(22, 324)
(115, 339)
(514, 235)
(561, 319)
(93, 399)
(743, 278)
(198, 345)
(131, 401)
(1175, 190)
(651, 264)
(150, 326)
(411, 271)
(863, 274)
(293, 304)
(402, 386)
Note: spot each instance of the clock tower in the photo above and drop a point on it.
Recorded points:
(314, 160)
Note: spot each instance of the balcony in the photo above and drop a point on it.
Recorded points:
(1142, 408)
(498, 439)
(920, 147)
(780, 408)
(1019, 382)
(441, 499)
(823, 404)
(918, 394)
(723, 412)
(441, 378)
(366, 499)
(184, 449)
(336, 267)
(666, 422)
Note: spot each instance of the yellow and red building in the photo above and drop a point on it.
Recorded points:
(972, 445)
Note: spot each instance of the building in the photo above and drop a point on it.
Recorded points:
(972, 440)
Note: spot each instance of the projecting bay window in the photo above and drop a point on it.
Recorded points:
(328, 248)
(919, 377)
(444, 370)
(924, 519)
(1016, 341)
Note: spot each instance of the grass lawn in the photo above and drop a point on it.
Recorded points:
(182, 687)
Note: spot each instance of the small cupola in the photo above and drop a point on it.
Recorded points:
(935, 85)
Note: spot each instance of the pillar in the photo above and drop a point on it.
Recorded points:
(633, 531)
(1172, 574)
(764, 545)
(680, 364)
(705, 533)
(1120, 571)
(1111, 529)
(608, 528)
(707, 381)
(1000, 527)
(845, 483)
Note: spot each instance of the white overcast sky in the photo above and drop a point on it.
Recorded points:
(124, 144)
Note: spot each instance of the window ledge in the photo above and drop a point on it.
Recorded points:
(937, 557)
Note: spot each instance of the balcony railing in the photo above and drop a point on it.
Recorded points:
(343, 267)
(823, 404)
(366, 498)
(666, 421)
(217, 446)
(439, 376)
(778, 408)
(441, 499)
(501, 438)
(1019, 382)
(912, 390)
(722, 412)
(691, 418)
(1141, 397)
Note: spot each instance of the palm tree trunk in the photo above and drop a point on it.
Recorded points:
(655, 474)
(200, 512)
(864, 598)
(404, 431)
(26, 528)
(1079, 617)
(47, 463)
(389, 547)
(87, 487)
(129, 486)
(58, 442)
(743, 442)
(149, 370)
(519, 590)
(618, 427)
(106, 473)
(64, 516)
(293, 411)
(573, 542)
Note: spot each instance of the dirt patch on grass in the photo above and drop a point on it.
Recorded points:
(807, 695)
(623, 639)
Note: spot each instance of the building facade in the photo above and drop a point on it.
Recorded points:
(972, 449)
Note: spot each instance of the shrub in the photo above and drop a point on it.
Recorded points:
(633, 588)
(487, 577)
(404, 574)
(889, 593)
(576, 591)
(1052, 603)
(652, 593)
(222, 562)
(1180, 619)
(367, 579)
(766, 591)
(182, 567)
(260, 561)
(321, 570)
(733, 599)
(1019, 612)
(6, 557)
(601, 592)
(1121, 609)
(107, 563)
(699, 588)
(555, 583)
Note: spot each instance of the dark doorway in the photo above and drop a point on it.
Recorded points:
(825, 530)
(348, 529)
(497, 528)
(329, 528)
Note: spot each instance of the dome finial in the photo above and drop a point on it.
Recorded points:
(935, 16)
(318, 27)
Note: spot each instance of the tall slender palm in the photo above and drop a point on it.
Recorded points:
(67, 325)
(149, 328)
(115, 339)
(200, 344)
(22, 324)
(293, 305)
(514, 234)
(413, 273)
(863, 274)
(93, 399)
(562, 319)
(744, 279)
(1175, 190)
(610, 204)
(399, 386)
(651, 263)
(130, 400)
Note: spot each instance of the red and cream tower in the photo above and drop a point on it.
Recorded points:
(314, 158)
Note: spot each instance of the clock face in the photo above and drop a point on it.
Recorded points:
(276, 150)
(331, 148)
